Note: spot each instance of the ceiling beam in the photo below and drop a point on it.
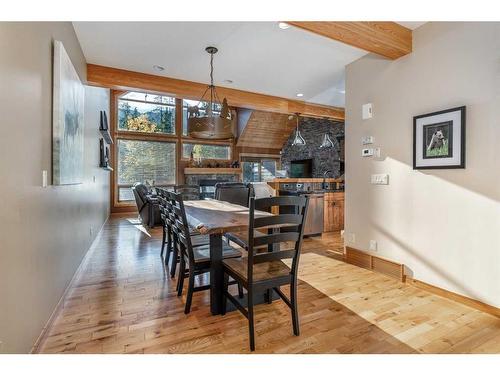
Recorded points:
(388, 39)
(119, 79)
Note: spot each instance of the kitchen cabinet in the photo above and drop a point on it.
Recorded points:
(333, 212)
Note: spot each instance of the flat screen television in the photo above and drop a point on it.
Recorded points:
(301, 168)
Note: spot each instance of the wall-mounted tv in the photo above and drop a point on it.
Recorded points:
(301, 168)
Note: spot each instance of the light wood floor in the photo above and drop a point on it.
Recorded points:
(123, 302)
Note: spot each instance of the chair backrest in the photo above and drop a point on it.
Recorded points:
(180, 227)
(233, 192)
(140, 193)
(281, 228)
(189, 192)
(162, 200)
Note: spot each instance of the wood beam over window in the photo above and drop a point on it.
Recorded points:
(119, 79)
(387, 39)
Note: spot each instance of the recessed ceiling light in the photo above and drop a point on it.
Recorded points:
(300, 95)
(228, 81)
(158, 68)
(283, 25)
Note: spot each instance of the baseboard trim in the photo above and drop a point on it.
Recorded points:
(375, 263)
(46, 328)
(369, 261)
(471, 302)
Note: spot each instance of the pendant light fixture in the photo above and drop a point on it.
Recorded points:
(205, 120)
(327, 142)
(298, 140)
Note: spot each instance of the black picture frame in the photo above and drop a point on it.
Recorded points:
(462, 153)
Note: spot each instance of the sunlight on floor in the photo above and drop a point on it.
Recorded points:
(417, 318)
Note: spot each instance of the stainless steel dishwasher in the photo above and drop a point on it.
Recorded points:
(315, 212)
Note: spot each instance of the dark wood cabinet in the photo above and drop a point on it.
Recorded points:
(333, 212)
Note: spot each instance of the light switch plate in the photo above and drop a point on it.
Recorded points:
(379, 179)
(367, 111)
(44, 178)
(373, 245)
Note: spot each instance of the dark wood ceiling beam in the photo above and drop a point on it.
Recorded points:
(387, 39)
(119, 79)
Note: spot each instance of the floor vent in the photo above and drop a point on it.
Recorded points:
(372, 262)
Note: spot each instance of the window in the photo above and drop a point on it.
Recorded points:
(144, 161)
(146, 113)
(206, 151)
(258, 169)
(202, 108)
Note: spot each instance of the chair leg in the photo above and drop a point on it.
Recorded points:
(295, 311)
(175, 254)
(224, 292)
(180, 279)
(251, 329)
(169, 246)
(189, 298)
(268, 296)
(163, 241)
(240, 291)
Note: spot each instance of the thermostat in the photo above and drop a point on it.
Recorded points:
(367, 152)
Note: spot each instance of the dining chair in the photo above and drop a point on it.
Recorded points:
(263, 272)
(233, 192)
(189, 192)
(194, 260)
(168, 234)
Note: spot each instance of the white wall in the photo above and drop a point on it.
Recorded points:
(44, 232)
(444, 225)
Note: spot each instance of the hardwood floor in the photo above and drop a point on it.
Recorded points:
(123, 301)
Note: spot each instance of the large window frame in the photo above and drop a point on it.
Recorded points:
(177, 138)
(258, 158)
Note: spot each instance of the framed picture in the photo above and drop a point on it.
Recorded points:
(439, 140)
(68, 122)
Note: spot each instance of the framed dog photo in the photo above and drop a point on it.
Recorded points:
(439, 139)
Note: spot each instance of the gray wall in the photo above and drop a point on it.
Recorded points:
(44, 232)
(443, 224)
(313, 131)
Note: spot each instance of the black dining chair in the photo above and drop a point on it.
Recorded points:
(194, 260)
(263, 272)
(166, 207)
(233, 192)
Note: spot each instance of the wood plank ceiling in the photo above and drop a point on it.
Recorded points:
(266, 130)
(387, 39)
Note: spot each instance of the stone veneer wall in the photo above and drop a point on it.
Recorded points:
(313, 131)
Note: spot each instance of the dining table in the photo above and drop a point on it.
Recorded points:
(215, 218)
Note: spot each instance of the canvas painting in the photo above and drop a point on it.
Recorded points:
(68, 121)
(439, 139)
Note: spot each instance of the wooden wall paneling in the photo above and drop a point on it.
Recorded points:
(120, 79)
(387, 39)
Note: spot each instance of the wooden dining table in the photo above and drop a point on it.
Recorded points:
(214, 217)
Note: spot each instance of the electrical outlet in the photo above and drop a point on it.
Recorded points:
(44, 178)
(352, 238)
(341, 233)
(373, 245)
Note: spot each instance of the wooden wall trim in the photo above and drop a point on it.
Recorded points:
(387, 39)
(367, 260)
(119, 79)
(375, 263)
(471, 302)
